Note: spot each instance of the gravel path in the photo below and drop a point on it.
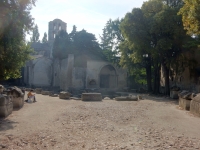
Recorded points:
(149, 124)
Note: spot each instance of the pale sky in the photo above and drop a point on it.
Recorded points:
(90, 15)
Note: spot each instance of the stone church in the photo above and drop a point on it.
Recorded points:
(83, 71)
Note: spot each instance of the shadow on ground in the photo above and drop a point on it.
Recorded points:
(6, 124)
(160, 98)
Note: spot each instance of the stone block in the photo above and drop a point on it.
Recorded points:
(1, 88)
(64, 95)
(91, 97)
(38, 90)
(196, 97)
(18, 102)
(45, 92)
(126, 98)
(15, 91)
(184, 103)
(6, 106)
(17, 97)
(4, 100)
(183, 93)
(195, 105)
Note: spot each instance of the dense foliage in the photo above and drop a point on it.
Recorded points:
(77, 42)
(153, 36)
(15, 22)
(191, 16)
(44, 39)
(35, 34)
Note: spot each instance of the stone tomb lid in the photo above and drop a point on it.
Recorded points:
(197, 98)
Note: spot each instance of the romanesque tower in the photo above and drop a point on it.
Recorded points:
(54, 27)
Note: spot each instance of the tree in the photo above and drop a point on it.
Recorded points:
(135, 29)
(110, 40)
(84, 42)
(61, 45)
(15, 22)
(191, 16)
(73, 33)
(44, 39)
(36, 35)
(148, 33)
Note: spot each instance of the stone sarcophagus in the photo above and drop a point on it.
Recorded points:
(6, 105)
(17, 97)
(64, 95)
(195, 105)
(185, 98)
(91, 97)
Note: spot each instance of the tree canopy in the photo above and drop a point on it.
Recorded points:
(151, 39)
(111, 39)
(62, 45)
(44, 39)
(77, 42)
(35, 35)
(15, 22)
(191, 16)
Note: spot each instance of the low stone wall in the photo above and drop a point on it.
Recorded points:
(64, 95)
(91, 97)
(6, 105)
(195, 105)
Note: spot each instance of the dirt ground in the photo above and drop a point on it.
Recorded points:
(154, 123)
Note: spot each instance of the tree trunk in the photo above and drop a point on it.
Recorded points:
(166, 74)
(156, 78)
(148, 73)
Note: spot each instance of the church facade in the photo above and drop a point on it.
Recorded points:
(84, 71)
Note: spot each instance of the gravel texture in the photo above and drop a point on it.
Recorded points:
(154, 123)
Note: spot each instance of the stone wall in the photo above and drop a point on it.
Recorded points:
(63, 72)
(38, 72)
(78, 78)
(42, 72)
(63, 75)
(93, 73)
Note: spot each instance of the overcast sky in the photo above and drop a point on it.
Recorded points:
(90, 15)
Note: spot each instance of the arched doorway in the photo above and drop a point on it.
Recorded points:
(108, 77)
